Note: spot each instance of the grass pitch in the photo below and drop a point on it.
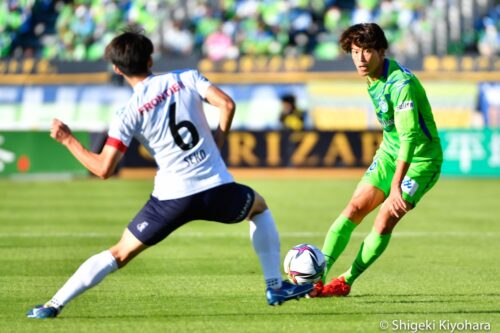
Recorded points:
(441, 268)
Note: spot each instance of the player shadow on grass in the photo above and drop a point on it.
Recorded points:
(427, 295)
(412, 302)
(360, 299)
(293, 312)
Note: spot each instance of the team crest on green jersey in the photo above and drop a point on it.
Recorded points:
(382, 105)
(385, 118)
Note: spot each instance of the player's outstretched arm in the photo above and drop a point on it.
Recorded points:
(226, 105)
(102, 165)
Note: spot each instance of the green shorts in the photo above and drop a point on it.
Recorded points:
(419, 179)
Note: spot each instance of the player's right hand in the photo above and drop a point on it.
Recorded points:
(396, 204)
(60, 131)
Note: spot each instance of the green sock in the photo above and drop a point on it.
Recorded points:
(336, 240)
(371, 248)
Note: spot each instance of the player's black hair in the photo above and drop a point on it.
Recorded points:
(288, 98)
(364, 35)
(130, 52)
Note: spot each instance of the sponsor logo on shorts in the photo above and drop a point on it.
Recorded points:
(408, 105)
(409, 186)
(141, 226)
(244, 211)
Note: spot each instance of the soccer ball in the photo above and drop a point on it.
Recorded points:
(304, 263)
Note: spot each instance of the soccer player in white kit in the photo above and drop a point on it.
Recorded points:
(165, 113)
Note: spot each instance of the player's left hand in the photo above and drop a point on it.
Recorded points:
(60, 131)
(396, 204)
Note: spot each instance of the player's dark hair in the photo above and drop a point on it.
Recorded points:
(288, 98)
(364, 35)
(130, 52)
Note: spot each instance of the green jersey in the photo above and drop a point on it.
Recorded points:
(403, 110)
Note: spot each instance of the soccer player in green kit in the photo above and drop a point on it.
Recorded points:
(406, 165)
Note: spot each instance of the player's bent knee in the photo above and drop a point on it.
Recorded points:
(127, 248)
(385, 222)
(122, 257)
(259, 206)
(386, 227)
(355, 211)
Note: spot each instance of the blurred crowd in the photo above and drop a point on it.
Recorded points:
(224, 29)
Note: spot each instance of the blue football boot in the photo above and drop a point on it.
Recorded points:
(287, 292)
(43, 311)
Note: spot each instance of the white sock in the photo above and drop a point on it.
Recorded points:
(90, 273)
(266, 242)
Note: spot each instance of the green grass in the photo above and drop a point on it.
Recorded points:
(442, 263)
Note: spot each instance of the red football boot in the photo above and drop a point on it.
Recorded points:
(317, 291)
(338, 287)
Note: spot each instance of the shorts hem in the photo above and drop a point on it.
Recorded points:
(366, 181)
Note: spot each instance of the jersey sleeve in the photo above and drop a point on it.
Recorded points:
(200, 82)
(121, 130)
(406, 118)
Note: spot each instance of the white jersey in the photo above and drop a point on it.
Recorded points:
(166, 115)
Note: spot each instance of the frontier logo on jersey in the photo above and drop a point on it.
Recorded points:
(176, 87)
(408, 105)
(141, 226)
